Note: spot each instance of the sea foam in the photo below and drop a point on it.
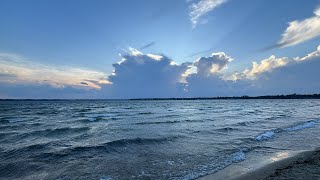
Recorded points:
(266, 135)
(309, 124)
(269, 134)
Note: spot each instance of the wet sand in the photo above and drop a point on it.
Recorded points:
(301, 165)
(304, 169)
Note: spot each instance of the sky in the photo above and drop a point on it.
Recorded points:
(161, 48)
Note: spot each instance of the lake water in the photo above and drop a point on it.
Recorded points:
(169, 139)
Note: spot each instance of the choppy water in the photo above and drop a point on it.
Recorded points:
(147, 139)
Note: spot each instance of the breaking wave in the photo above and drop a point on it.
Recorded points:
(269, 134)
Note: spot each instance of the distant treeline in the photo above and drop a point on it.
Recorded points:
(289, 96)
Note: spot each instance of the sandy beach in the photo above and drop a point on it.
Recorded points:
(299, 165)
(307, 167)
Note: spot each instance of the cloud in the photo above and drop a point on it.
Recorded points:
(198, 53)
(266, 65)
(312, 55)
(301, 31)
(216, 63)
(140, 75)
(15, 69)
(148, 45)
(208, 78)
(45, 91)
(272, 63)
(282, 75)
(296, 77)
(269, 76)
(197, 10)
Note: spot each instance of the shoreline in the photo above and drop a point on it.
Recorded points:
(293, 165)
(245, 97)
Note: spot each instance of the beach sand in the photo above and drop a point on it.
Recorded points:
(304, 165)
(304, 169)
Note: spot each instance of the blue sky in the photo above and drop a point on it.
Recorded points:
(60, 39)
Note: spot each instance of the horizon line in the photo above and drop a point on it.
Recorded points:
(282, 96)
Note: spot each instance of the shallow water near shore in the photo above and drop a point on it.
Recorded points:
(122, 139)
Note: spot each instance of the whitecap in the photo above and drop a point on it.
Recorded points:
(309, 124)
(238, 156)
(264, 136)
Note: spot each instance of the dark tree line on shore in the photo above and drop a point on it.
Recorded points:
(289, 96)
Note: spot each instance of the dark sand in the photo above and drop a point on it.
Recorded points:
(302, 166)
(304, 169)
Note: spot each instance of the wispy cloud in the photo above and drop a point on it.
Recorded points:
(147, 45)
(300, 31)
(16, 69)
(199, 53)
(197, 10)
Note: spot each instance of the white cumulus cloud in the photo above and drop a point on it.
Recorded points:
(266, 65)
(140, 75)
(214, 64)
(272, 63)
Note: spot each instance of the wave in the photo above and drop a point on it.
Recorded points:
(169, 116)
(226, 129)
(145, 113)
(232, 156)
(192, 121)
(158, 122)
(13, 119)
(57, 131)
(28, 150)
(266, 135)
(169, 122)
(302, 126)
(246, 123)
(278, 116)
(83, 110)
(109, 146)
(123, 142)
(98, 117)
(47, 112)
(6, 134)
(269, 134)
(4, 121)
(235, 157)
(255, 111)
(65, 130)
(91, 120)
(44, 151)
